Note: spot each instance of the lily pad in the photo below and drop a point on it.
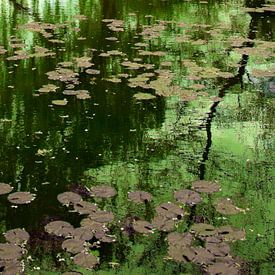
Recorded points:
(218, 249)
(203, 186)
(82, 233)
(170, 210)
(229, 233)
(102, 216)
(143, 227)
(21, 197)
(163, 223)
(203, 229)
(17, 236)
(203, 256)
(179, 239)
(93, 225)
(181, 254)
(5, 188)
(11, 267)
(226, 207)
(60, 228)
(85, 208)
(86, 260)
(188, 197)
(10, 251)
(139, 196)
(103, 191)
(144, 96)
(74, 246)
(68, 198)
(60, 102)
(222, 269)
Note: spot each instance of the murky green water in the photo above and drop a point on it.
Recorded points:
(210, 70)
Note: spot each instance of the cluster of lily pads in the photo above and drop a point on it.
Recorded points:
(16, 198)
(213, 253)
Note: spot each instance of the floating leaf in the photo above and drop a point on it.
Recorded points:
(84, 207)
(74, 246)
(179, 239)
(139, 196)
(144, 96)
(103, 191)
(222, 269)
(218, 249)
(226, 207)
(82, 233)
(10, 251)
(5, 188)
(60, 102)
(102, 216)
(181, 254)
(203, 229)
(60, 228)
(170, 211)
(85, 260)
(229, 233)
(17, 236)
(143, 227)
(163, 223)
(188, 197)
(203, 186)
(203, 256)
(21, 197)
(68, 198)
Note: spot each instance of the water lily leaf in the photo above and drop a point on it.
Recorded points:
(103, 237)
(5, 188)
(203, 186)
(218, 249)
(139, 196)
(203, 229)
(21, 197)
(181, 254)
(17, 236)
(85, 208)
(83, 94)
(83, 233)
(11, 267)
(60, 228)
(10, 251)
(179, 239)
(103, 191)
(203, 256)
(60, 102)
(229, 233)
(74, 246)
(163, 223)
(222, 269)
(102, 216)
(143, 227)
(170, 211)
(93, 225)
(92, 71)
(226, 207)
(72, 273)
(86, 260)
(144, 96)
(188, 197)
(68, 198)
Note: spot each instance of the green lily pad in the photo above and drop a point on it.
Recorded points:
(60, 102)
(144, 96)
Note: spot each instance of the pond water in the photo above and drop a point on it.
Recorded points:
(155, 96)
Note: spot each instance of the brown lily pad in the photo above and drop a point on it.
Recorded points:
(86, 260)
(163, 223)
(60, 102)
(203, 186)
(226, 207)
(222, 269)
(218, 249)
(82, 233)
(143, 227)
(203, 256)
(17, 236)
(5, 188)
(73, 246)
(139, 196)
(60, 228)
(102, 216)
(12, 267)
(21, 197)
(103, 191)
(10, 252)
(93, 225)
(68, 198)
(231, 234)
(179, 239)
(170, 210)
(188, 197)
(203, 229)
(85, 208)
(181, 254)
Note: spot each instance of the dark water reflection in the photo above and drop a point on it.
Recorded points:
(159, 145)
